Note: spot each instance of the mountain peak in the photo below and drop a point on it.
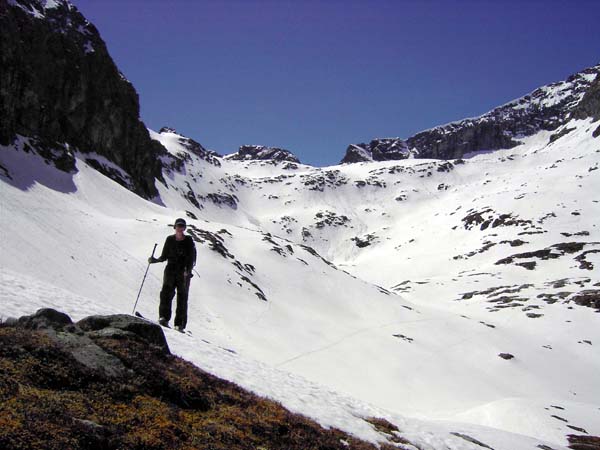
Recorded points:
(261, 153)
(39, 8)
(168, 130)
(180, 145)
(379, 149)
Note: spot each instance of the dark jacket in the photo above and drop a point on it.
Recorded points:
(180, 255)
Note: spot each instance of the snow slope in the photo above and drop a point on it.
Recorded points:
(372, 289)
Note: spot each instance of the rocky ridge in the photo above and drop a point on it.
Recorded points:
(378, 150)
(96, 110)
(262, 153)
(193, 147)
(546, 108)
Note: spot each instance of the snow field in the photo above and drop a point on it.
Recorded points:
(325, 343)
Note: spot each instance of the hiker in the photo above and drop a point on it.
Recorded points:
(180, 253)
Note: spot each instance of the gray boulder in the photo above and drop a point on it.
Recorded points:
(45, 318)
(78, 339)
(120, 325)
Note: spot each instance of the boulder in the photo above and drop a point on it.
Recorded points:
(148, 331)
(59, 327)
(45, 318)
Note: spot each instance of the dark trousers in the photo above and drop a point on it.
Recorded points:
(173, 280)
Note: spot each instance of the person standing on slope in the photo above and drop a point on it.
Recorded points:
(180, 253)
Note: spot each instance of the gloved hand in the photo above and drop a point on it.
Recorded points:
(187, 274)
(152, 260)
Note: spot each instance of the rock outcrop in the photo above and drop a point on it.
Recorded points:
(589, 106)
(117, 325)
(546, 108)
(60, 86)
(262, 153)
(378, 150)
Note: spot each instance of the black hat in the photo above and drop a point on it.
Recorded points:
(180, 221)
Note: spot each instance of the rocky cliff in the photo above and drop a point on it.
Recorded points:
(589, 106)
(546, 108)
(378, 150)
(59, 85)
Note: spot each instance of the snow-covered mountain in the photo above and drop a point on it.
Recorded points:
(506, 243)
(456, 298)
(397, 283)
(547, 108)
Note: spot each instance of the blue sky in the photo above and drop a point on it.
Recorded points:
(316, 76)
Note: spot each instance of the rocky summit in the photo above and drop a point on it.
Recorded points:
(190, 146)
(379, 150)
(262, 153)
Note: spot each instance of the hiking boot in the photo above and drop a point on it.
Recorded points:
(179, 328)
(164, 322)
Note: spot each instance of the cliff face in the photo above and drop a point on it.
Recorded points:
(58, 84)
(546, 108)
(589, 106)
(378, 150)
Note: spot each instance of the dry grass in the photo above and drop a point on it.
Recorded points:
(50, 401)
(389, 430)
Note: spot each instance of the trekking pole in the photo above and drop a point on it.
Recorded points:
(140, 291)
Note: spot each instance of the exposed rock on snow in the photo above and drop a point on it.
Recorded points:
(589, 106)
(118, 325)
(556, 251)
(261, 153)
(379, 150)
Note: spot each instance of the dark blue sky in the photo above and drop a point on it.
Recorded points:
(315, 76)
